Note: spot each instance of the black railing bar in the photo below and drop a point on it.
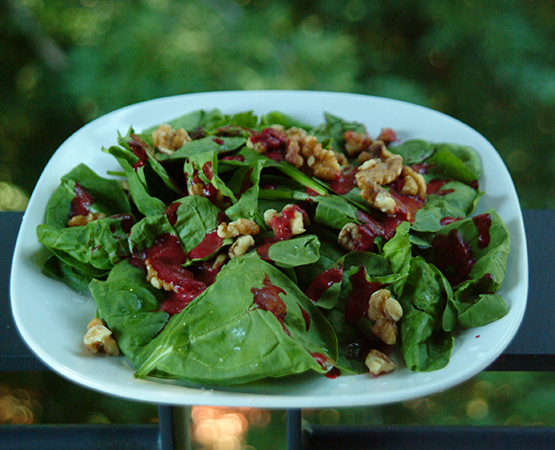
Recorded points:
(80, 437)
(415, 437)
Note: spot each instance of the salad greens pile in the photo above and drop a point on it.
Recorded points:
(144, 242)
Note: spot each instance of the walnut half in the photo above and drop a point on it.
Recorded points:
(378, 363)
(99, 338)
(385, 311)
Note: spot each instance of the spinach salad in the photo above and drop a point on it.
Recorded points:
(233, 248)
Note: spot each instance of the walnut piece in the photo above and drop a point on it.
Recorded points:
(240, 246)
(349, 236)
(375, 173)
(169, 140)
(385, 311)
(197, 187)
(152, 278)
(78, 221)
(356, 142)
(378, 363)
(239, 227)
(306, 153)
(99, 338)
(413, 183)
(375, 195)
(297, 218)
(383, 171)
(378, 149)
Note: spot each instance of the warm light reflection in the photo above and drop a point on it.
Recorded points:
(17, 406)
(219, 428)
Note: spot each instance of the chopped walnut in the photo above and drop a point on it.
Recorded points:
(387, 136)
(297, 219)
(152, 278)
(378, 149)
(375, 173)
(383, 171)
(240, 246)
(78, 221)
(383, 305)
(341, 158)
(240, 227)
(413, 183)
(375, 195)
(323, 163)
(306, 153)
(385, 311)
(356, 142)
(349, 236)
(299, 149)
(169, 140)
(378, 363)
(197, 187)
(99, 338)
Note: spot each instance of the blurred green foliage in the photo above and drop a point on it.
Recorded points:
(488, 63)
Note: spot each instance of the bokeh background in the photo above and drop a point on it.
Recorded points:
(490, 64)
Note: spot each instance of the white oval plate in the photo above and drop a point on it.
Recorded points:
(51, 318)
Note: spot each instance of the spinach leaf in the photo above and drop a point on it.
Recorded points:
(425, 345)
(57, 268)
(108, 195)
(189, 122)
(225, 337)
(456, 200)
(334, 128)
(474, 299)
(93, 248)
(160, 181)
(414, 151)
(398, 252)
(448, 165)
(335, 212)
(196, 217)
(295, 252)
(146, 231)
(146, 203)
(285, 120)
(245, 185)
(486, 308)
(205, 167)
(129, 305)
(220, 145)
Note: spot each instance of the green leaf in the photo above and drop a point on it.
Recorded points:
(280, 118)
(219, 145)
(486, 308)
(100, 244)
(196, 217)
(109, 196)
(242, 342)
(146, 231)
(450, 166)
(414, 151)
(197, 164)
(425, 345)
(335, 212)
(129, 306)
(294, 252)
(146, 203)
(459, 201)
